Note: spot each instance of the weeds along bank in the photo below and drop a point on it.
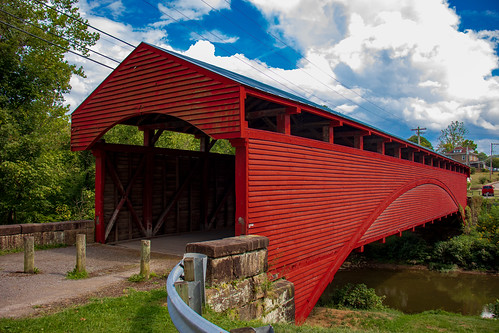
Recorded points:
(447, 245)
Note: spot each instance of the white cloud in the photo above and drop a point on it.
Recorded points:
(407, 56)
(408, 52)
(82, 87)
(186, 10)
(215, 35)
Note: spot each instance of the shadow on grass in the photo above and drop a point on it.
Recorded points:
(152, 315)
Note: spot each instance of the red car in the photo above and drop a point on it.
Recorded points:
(487, 190)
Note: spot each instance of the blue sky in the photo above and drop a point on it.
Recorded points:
(394, 64)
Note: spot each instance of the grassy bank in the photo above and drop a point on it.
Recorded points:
(147, 312)
(478, 179)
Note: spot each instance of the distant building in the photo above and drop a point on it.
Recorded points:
(465, 156)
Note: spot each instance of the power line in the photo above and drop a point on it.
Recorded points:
(54, 44)
(221, 39)
(56, 35)
(85, 23)
(278, 53)
(320, 69)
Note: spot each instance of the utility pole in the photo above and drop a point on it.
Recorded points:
(419, 130)
(491, 145)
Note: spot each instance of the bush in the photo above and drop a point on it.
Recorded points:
(493, 308)
(410, 248)
(357, 297)
(482, 180)
(488, 222)
(467, 251)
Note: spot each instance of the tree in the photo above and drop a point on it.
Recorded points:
(454, 136)
(424, 141)
(470, 144)
(482, 156)
(39, 176)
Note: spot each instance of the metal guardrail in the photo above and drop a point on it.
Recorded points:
(185, 319)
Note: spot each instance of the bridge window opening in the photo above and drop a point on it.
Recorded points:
(418, 157)
(262, 114)
(348, 136)
(392, 149)
(406, 153)
(374, 143)
(310, 126)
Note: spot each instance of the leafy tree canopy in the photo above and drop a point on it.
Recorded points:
(40, 178)
(482, 156)
(423, 140)
(454, 136)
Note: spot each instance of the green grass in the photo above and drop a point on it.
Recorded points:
(147, 312)
(74, 275)
(475, 179)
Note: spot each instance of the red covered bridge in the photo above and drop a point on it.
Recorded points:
(318, 184)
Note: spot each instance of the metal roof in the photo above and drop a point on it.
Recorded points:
(252, 83)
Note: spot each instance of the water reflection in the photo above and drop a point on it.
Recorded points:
(413, 291)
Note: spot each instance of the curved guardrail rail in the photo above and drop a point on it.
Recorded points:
(184, 318)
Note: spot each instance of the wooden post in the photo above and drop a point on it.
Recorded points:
(29, 254)
(283, 123)
(182, 288)
(100, 178)
(189, 269)
(147, 194)
(145, 258)
(81, 253)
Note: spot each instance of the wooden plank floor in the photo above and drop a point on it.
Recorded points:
(175, 244)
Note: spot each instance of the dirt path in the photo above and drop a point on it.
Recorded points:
(109, 268)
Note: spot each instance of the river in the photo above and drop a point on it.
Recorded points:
(413, 291)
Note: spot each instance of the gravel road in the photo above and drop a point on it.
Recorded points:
(23, 294)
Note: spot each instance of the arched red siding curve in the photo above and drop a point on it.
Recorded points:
(402, 203)
(359, 238)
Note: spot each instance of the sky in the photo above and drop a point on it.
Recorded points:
(393, 64)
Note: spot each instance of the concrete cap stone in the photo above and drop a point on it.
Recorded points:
(11, 229)
(30, 228)
(228, 246)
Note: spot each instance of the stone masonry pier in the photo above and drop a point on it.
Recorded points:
(237, 282)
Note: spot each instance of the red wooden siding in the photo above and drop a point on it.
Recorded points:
(152, 81)
(411, 207)
(314, 201)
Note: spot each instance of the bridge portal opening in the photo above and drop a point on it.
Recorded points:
(159, 175)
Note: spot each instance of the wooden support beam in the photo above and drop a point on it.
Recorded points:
(147, 193)
(148, 135)
(181, 188)
(283, 123)
(156, 136)
(352, 133)
(270, 123)
(124, 196)
(100, 180)
(252, 115)
(175, 197)
(358, 142)
(220, 204)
